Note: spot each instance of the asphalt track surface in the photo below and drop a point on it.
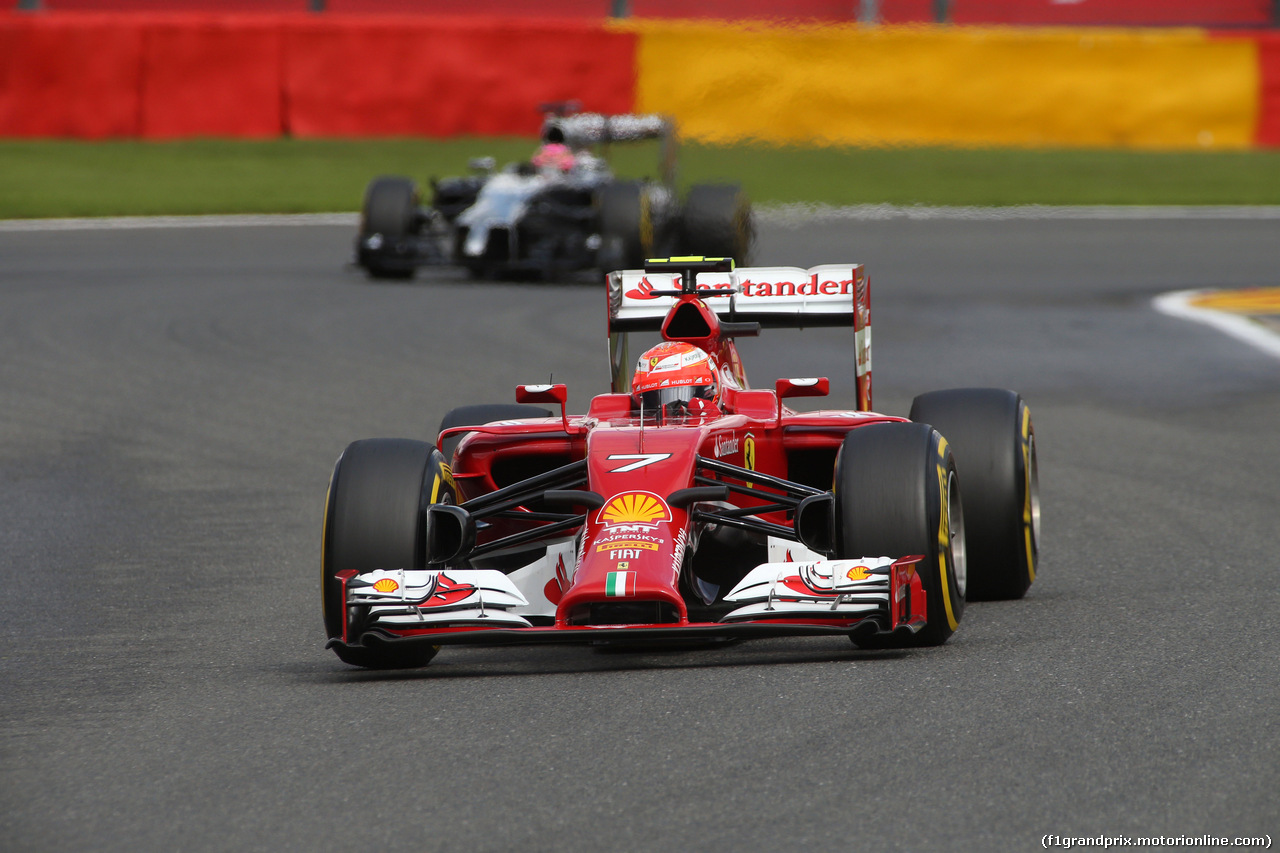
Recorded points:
(172, 401)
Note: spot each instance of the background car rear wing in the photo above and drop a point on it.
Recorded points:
(774, 297)
(584, 130)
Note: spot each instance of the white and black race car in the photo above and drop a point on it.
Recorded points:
(555, 217)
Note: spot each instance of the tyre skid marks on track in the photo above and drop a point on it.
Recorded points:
(1233, 312)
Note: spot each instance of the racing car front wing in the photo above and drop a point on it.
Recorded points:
(857, 598)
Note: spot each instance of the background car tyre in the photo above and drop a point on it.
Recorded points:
(375, 518)
(626, 226)
(391, 212)
(485, 413)
(716, 222)
(897, 494)
(991, 433)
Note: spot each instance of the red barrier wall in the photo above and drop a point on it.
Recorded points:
(588, 9)
(79, 77)
(211, 6)
(380, 76)
(729, 10)
(1211, 13)
(1269, 95)
(170, 76)
(212, 77)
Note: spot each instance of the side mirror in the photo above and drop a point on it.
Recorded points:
(546, 394)
(803, 387)
(820, 387)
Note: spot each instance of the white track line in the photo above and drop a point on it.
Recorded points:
(785, 215)
(123, 223)
(1178, 304)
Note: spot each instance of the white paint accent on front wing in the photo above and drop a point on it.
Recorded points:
(825, 578)
(805, 609)
(488, 616)
(415, 586)
(532, 579)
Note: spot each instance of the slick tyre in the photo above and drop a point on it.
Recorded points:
(994, 442)
(485, 413)
(897, 494)
(716, 222)
(375, 518)
(391, 212)
(626, 226)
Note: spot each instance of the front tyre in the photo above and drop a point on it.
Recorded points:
(375, 518)
(994, 441)
(897, 495)
(388, 225)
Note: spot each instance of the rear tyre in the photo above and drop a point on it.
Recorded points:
(897, 495)
(484, 413)
(716, 222)
(375, 518)
(994, 441)
(390, 218)
(626, 226)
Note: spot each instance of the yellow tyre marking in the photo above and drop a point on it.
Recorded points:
(944, 531)
(445, 474)
(1027, 488)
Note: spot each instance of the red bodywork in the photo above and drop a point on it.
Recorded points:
(628, 574)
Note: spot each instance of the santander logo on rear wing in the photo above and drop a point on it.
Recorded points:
(776, 297)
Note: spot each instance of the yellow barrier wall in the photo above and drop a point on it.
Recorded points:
(950, 86)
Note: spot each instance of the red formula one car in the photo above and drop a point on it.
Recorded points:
(684, 505)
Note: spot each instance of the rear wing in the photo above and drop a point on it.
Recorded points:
(774, 297)
(583, 130)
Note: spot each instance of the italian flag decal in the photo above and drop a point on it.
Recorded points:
(620, 584)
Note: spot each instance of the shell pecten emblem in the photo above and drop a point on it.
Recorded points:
(386, 585)
(635, 508)
(858, 573)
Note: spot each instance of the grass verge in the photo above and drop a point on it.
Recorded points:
(63, 178)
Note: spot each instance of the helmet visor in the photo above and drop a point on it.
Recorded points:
(661, 398)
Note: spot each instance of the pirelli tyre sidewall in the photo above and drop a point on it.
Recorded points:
(993, 438)
(897, 494)
(375, 518)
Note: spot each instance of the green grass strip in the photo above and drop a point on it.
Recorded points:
(62, 178)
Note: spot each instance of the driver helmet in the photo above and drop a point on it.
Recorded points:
(676, 377)
(554, 155)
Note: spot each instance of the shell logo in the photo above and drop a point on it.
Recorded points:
(386, 585)
(635, 508)
(858, 573)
